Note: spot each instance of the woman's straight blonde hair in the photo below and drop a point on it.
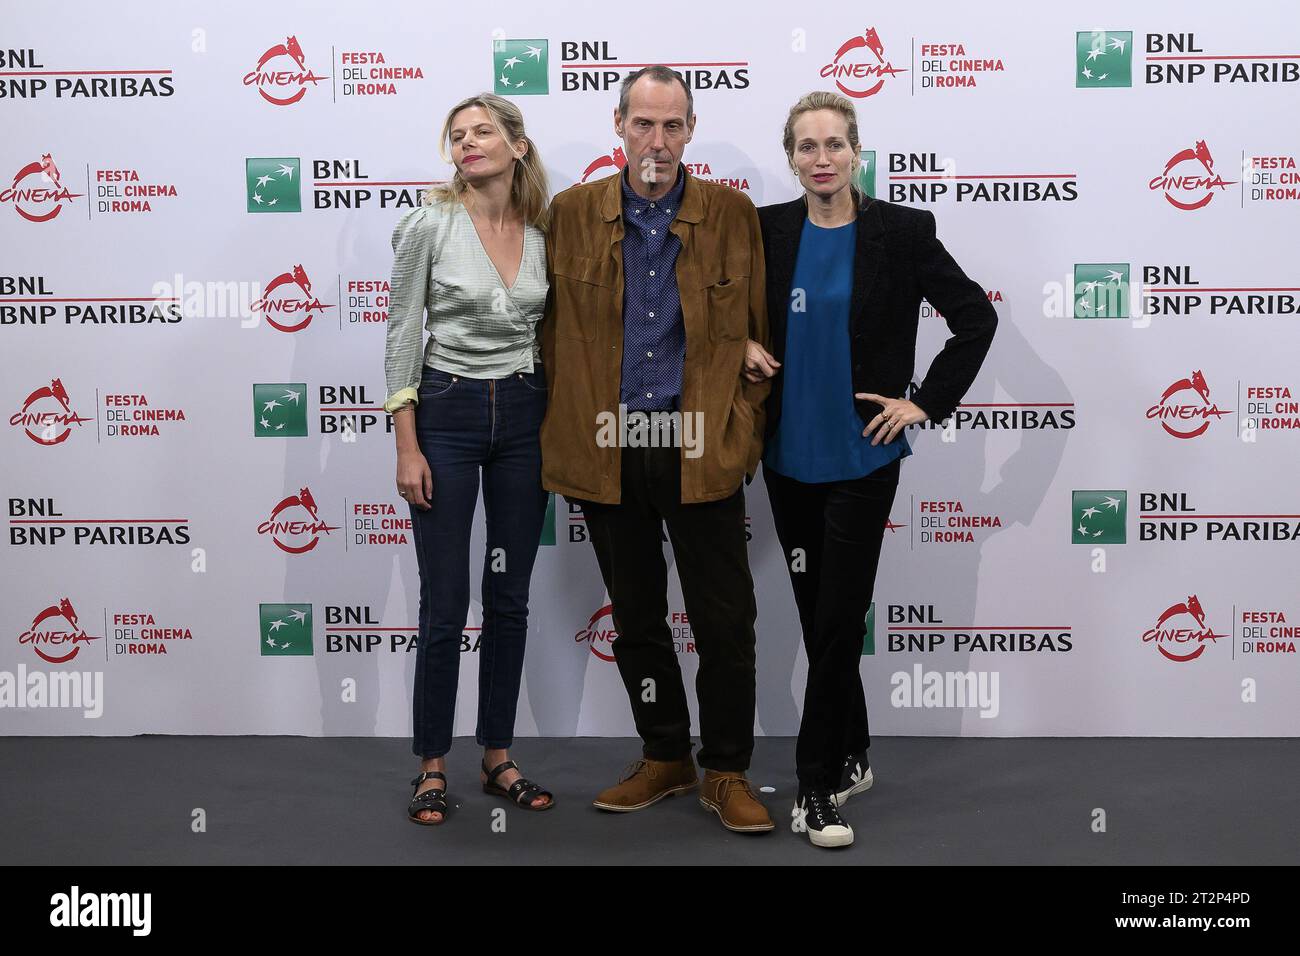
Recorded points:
(529, 190)
(826, 100)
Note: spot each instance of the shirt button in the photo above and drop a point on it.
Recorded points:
(652, 205)
(649, 394)
(652, 315)
(652, 272)
(667, 210)
(649, 355)
(654, 232)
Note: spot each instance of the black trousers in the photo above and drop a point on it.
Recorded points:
(709, 546)
(831, 534)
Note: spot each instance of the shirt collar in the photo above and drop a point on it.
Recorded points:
(671, 201)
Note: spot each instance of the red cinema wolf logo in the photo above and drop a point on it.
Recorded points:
(68, 639)
(54, 426)
(864, 75)
(296, 536)
(295, 75)
(1189, 180)
(271, 305)
(37, 192)
(616, 160)
(1171, 641)
(1171, 412)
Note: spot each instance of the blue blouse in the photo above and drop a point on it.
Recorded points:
(819, 436)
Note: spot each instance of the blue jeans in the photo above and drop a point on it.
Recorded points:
(464, 425)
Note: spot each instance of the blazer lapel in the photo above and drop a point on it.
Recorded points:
(869, 250)
(787, 228)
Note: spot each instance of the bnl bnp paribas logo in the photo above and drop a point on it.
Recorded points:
(1098, 517)
(519, 67)
(866, 180)
(284, 630)
(1101, 290)
(1103, 58)
(272, 184)
(280, 410)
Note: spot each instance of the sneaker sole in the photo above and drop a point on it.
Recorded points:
(861, 786)
(831, 839)
(756, 828)
(619, 808)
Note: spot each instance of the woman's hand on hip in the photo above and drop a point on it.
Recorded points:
(414, 479)
(898, 414)
(760, 364)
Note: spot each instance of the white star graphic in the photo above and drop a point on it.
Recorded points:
(1089, 512)
(503, 81)
(1113, 276)
(264, 423)
(535, 52)
(299, 616)
(263, 180)
(286, 170)
(270, 405)
(1093, 54)
(1082, 529)
(511, 62)
(1111, 503)
(276, 625)
(1117, 44)
(1102, 77)
(273, 202)
(1087, 73)
(257, 199)
(291, 394)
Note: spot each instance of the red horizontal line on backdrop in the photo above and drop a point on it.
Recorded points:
(81, 72)
(1216, 516)
(87, 298)
(998, 176)
(1197, 288)
(987, 627)
(391, 628)
(97, 520)
(1015, 404)
(363, 408)
(587, 66)
(1233, 56)
(367, 182)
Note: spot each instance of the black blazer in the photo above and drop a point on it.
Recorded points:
(898, 261)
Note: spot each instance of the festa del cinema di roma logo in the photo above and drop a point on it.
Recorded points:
(55, 423)
(1172, 640)
(282, 75)
(1180, 418)
(860, 67)
(1189, 180)
(45, 632)
(289, 294)
(37, 192)
(600, 636)
(289, 531)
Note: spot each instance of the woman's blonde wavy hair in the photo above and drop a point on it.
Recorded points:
(826, 100)
(530, 190)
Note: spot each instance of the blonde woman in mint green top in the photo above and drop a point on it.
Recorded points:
(467, 406)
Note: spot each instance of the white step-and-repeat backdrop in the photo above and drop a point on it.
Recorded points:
(203, 532)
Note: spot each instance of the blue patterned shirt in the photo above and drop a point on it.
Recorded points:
(654, 338)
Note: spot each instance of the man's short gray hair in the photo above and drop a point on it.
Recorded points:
(661, 74)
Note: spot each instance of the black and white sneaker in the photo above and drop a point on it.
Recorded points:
(855, 777)
(815, 812)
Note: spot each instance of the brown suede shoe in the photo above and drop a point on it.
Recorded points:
(648, 781)
(728, 795)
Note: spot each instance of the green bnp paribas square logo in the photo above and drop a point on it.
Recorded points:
(869, 631)
(285, 629)
(867, 172)
(271, 184)
(519, 67)
(1098, 517)
(1101, 290)
(1103, 58)
(548, 524)
(280, 410)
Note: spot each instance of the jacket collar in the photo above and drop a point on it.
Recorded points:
(691, 209)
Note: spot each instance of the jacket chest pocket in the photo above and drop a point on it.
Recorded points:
(726, 305)
(584, 295)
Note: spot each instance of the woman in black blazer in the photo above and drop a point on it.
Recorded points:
(845, 278)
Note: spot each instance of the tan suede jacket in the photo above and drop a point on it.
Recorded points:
(720, 277)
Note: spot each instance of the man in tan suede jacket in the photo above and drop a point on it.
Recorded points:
(657, 284)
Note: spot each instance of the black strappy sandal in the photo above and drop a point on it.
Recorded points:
(521, 793)
(434, 799)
